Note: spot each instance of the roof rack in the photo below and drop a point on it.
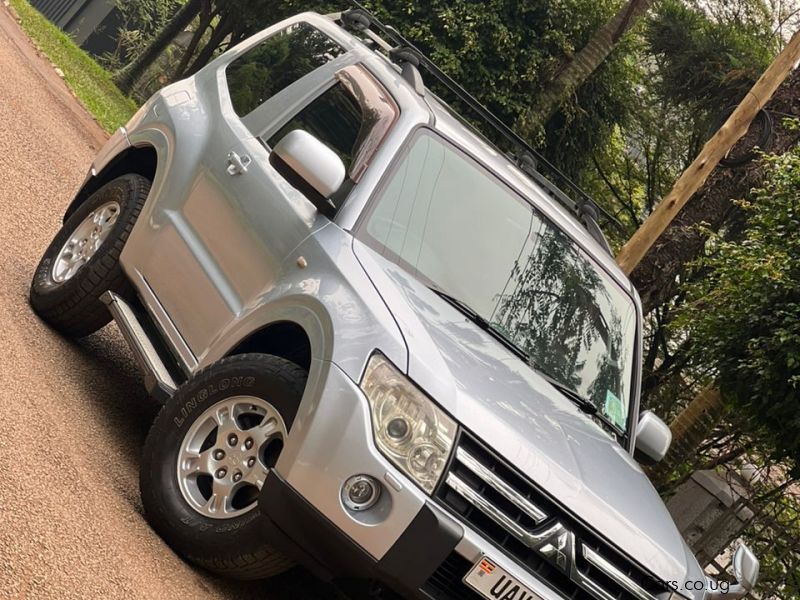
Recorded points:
(410, 59)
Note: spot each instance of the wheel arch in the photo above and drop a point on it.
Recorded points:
(142, 160)
(283, 338)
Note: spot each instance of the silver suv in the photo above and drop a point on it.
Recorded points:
(385, 348)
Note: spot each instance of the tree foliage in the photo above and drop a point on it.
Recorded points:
(505, 52)
(690, 64)
(646, 155)
(140, 22)
(744, 313)
(710, 61)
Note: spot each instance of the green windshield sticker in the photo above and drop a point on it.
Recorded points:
(614, 409)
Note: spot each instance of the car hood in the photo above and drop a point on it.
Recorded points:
(505, 403)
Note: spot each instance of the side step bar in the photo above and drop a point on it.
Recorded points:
(157, 379)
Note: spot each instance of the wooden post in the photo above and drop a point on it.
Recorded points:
(689, 428)
(707, 402)
(714, 150)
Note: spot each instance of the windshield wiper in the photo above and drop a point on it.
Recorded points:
(481, 322)
(584, 404)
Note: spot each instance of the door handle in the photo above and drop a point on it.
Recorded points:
(237, 164)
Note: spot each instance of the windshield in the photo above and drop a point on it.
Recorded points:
(458, 229)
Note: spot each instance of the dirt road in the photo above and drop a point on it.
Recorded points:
(74, 415)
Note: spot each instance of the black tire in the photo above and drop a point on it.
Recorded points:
(72, 307)
(233, 547)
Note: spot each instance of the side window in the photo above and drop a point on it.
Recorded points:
(276, 63)
(334, 118)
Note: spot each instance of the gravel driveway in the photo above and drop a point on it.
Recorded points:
(74, 415)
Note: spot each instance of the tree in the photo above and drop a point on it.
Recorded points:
(651, 158)
(709, 63)
(502, 49)
(140, 21)
(225, 23)
(744, 314)
(712, 153)
(127, 77)
(579, 68)
(672, 120)
(505, 51)
(705, 66)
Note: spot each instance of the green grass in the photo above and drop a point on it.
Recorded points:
(88, 80)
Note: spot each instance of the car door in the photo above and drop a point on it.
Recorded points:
(241, 218)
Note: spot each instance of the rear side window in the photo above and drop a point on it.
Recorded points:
(334, 118)
(352, 117)
(276, 63)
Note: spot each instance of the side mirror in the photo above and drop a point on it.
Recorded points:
(653, 438)
(310, 166)
(745, 569)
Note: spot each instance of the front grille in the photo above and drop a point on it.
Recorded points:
(555, 547)
(446, 582)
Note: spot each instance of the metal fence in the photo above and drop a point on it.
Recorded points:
(717, 511)
(60, 12)
(91, 23)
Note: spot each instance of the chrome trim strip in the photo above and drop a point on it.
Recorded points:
(509, 493)
(487, 507)
(157, 379)
(555, 542)
(166, 327)
(614, 573)
(590, 586)
(533, 540)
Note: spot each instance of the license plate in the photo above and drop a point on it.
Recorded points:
(494, 583)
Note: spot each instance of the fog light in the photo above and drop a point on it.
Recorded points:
(361, 492)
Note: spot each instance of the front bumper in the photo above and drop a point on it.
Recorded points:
(300, 532)
(406, 540)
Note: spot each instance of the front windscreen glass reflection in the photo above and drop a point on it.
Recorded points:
(449, 222)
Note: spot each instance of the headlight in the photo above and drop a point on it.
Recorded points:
(409, 428)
